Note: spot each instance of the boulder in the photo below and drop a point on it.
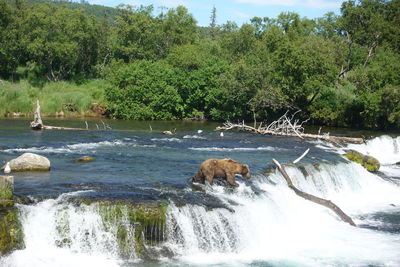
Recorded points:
(168, 133)
(368, 162)
(30, 162)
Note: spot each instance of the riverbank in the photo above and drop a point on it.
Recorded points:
(57, 99)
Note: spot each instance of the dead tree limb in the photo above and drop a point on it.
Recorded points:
(302, 156)
(37, 123)
(326, 203)
(47, 127)
(285, 126)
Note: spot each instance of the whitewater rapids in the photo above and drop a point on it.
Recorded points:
(267, 224)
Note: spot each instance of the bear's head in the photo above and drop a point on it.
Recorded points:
(245, 171)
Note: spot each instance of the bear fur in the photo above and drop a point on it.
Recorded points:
(221, 168)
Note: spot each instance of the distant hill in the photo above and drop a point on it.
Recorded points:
(98, 11)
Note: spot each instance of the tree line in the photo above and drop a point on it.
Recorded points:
(340, 70)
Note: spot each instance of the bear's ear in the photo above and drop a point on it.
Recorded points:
(245, 166)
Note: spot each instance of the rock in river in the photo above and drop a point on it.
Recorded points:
(84, 159)
(368, 162)
(30, 162)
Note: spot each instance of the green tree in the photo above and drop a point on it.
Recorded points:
(143, 90)
(61, 42)
(213, 23)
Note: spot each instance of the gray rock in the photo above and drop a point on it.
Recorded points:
(30, 162)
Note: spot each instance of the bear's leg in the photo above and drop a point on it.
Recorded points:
(230, 178)
(210, 179)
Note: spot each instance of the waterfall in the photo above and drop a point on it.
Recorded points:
(278, 226)
(385, 148)
(266, 222)
(58, 233)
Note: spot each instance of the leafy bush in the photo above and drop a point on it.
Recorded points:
(144, 90)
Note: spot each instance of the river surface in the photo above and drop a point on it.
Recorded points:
(260, 223)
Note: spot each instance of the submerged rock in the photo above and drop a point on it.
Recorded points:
(368, 162)
(30, 162)
(84, 159)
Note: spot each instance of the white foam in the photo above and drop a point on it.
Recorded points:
(77, 148)
(48, 224)
(167, 140)
(269, 223)
(265, 148)
(193, 137)
(384, 148)
(276, 225)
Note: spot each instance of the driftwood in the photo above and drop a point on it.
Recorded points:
(37, 123)
(326, 203)
(286, 126)
(46, 127)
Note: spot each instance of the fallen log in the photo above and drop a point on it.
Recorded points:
(46, 127)
(37, 123)
(326, 203)
(285, 127)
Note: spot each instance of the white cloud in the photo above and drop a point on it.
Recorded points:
(318, 4)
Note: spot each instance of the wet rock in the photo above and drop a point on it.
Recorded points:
(6, 187)
(84, 159)
(139, 225)
(368, 162)
(23, 200)
(30, 162)
(168, 133)
(11, 233)
(398, 163)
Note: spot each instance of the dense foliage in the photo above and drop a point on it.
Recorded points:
(340, 70)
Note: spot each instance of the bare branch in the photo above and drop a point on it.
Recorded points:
(285, 127)
(326, 203)
(302, 156)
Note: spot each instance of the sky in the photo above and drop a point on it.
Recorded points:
(239, 11)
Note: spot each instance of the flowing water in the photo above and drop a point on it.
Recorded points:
(260, 223)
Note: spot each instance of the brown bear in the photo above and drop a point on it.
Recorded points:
(221, 168)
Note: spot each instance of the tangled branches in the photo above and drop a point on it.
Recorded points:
(287, 126)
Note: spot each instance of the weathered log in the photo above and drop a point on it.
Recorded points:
(37, 123)
(333, 139)
(302, 156)
(326, 203)
(46, 127)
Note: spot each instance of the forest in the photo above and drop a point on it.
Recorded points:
(135, 63)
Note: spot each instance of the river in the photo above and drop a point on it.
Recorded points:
(260, 223)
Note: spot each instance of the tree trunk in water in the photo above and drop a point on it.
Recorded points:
(37, 123)
(327, 203)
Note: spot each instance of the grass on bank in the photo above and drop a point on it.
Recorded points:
(68, 97)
